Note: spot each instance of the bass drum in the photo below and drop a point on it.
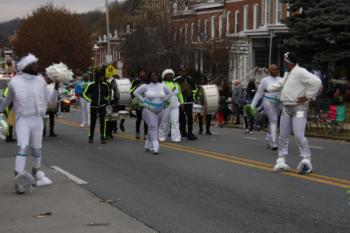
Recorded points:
(123, 87)
(209, 98)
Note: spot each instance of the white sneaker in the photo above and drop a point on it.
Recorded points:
(81, 125)
(162, 139)
(24, 182)
(148, 145)
(305, 166)
(281, 165)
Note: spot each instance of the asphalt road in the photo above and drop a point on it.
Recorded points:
(217, 184)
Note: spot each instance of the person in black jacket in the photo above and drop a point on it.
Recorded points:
(98, 94)
(188, 90)
(138, 81)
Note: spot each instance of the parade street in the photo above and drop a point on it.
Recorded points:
(218, 184)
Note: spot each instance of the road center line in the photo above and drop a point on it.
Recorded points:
(69, 175)
(318, 178)
(250, 138)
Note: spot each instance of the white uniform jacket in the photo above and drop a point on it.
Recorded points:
(296, 83)
(29, 94)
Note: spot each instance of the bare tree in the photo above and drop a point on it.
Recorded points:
(54, 35)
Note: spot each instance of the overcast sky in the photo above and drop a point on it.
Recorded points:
(10, 9)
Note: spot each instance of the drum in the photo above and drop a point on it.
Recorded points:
(209, 98)
(123, 114)
(123, 87)
(113, 116)
(197, 108)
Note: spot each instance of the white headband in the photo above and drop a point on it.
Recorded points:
(25, 61)
(167, 71)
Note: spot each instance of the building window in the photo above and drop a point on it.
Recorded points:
(256, 16)
(278, 12)
(228, 15)
(186, 32)
(213, 27)
(288, 10)
(267, 11)
(199, 32)
(180, 34)
(236, 21)
(245, 17)
(192, 32)
(220, 26)
(205, 28)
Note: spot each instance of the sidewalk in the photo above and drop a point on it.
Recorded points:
(73, 208)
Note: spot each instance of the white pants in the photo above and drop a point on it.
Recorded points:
(29, 132)
(85, 111)
(296, 117)
(170, 121)
(153, 121)
(272, 109)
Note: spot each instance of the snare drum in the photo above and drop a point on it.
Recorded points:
(197, 108)
(210, 98)
(123, 114)
(123, 87)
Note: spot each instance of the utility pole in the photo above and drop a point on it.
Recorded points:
(108, 56)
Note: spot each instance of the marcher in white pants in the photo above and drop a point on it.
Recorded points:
(171, 117)
(85, 112)
(271, 104)
(153, 95)
(298, 87)
(30, 95)
(84, 104)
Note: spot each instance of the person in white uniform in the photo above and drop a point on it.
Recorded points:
(270, 103)
(153, 96)
(297, 88)
(30, 95)
(170, 121)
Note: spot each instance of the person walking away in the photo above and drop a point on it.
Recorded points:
(237, 96)
(171, 117)
(51, 110)
(98, 94)
(248, 115)
(29, 94)
(188, 91)
(153, 96)
(138, 81)
(297, 89)
(271, 104)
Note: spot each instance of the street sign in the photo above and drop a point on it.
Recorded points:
(110, 71)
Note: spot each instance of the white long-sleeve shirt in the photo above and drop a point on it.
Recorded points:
(265, 82)
(29, 94)
(153, 95)
(297, 83)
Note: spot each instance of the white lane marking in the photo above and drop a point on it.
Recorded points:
(250, 138)
(69, 175)
(317, 147)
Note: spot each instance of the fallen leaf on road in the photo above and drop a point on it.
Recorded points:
(110, 200)
(98, 224)
(43, 215)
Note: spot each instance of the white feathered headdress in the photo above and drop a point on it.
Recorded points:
(25, 61)
(59, 72)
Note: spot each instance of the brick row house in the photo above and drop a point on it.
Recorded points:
(249, 32)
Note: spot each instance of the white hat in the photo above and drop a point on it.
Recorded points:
(25, 61)
(167, 71)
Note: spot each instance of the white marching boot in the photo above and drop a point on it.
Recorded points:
(281, 165)
(305, 166)
(42, 179)
(24, 182)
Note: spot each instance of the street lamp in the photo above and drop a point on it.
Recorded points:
(108, 55)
